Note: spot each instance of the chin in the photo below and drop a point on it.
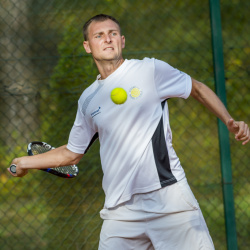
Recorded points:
(109, 58)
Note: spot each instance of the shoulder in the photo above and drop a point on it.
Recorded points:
(145, 60)
(150, 62)
(146, 63)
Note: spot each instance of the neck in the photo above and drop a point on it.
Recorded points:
(106, 68)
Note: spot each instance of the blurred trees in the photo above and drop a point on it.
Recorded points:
(18, 102)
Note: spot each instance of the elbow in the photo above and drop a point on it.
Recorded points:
(71, 157)
(76, 158)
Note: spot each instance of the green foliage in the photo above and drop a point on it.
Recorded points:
(72, 74)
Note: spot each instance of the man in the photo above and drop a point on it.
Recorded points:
(148, 203)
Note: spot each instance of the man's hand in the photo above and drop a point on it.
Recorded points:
(57, 157)
(19, 171)
(240, 129)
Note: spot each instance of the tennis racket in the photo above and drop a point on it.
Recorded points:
(37, 147)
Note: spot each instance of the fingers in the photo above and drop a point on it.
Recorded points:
(240, 129)
(243, 133)
(11, 172)
(16, 171)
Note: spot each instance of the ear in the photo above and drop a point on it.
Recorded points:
(123, 42)
(86, 47)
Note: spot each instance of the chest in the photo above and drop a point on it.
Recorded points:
(104, 116)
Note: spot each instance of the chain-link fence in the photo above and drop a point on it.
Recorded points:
(43, 72)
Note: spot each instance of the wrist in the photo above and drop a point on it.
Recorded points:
(20, 162)
(227, 121)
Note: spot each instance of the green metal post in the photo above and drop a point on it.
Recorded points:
(226, 169)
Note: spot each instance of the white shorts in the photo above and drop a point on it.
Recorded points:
(166, 219)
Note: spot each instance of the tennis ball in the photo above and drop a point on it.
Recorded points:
(118, 95)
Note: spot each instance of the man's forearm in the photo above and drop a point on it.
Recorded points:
(210, 100)
(55, 158)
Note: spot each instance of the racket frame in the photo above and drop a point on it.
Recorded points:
(50, 170)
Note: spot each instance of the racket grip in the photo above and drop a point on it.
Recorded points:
(13, 168)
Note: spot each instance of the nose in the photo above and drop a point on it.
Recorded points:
(108, 38)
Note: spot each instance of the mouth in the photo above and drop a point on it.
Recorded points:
(109, 48)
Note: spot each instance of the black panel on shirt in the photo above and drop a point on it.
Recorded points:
(95, 137)
(161, 155)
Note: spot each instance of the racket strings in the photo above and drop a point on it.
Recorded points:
(71, 170)
(40, 149)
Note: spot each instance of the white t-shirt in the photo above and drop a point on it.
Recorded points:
(135, 138)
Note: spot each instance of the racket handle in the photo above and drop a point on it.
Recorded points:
(13, 169)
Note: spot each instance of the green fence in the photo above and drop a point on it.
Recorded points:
(43, 72)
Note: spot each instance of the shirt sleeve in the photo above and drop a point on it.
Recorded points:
(171, 82)
(81, 135)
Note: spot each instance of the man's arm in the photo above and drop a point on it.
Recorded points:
(210, 100)
(57, 157)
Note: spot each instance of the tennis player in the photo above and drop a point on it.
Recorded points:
(148, 202)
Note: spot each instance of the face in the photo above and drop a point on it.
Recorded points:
(105, 42)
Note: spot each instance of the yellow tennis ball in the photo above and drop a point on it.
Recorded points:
(118, 95)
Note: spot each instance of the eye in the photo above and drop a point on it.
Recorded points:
(114, 33)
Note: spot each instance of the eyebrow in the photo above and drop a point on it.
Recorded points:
(101, 32)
